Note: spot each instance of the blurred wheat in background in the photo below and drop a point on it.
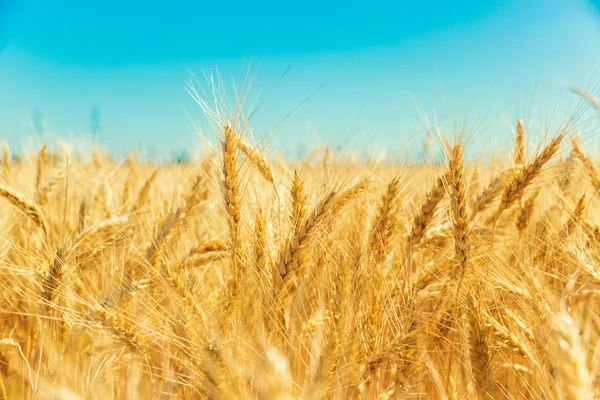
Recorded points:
(247, 276)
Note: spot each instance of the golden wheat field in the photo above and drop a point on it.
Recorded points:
(245, 276)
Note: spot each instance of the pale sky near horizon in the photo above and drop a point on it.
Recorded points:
(370, 69)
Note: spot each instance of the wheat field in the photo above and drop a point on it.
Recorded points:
(245, 276)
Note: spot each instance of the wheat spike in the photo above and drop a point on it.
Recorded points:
(589, 165)
(522, 178)
(574, 377)
(520, 144)
(458, 205)
(231, 189)
(298, 203)
(25, 205)
(593, 101)
(426, 212)
(525, 212)
(257, 159)
(6, 158)
(385, 221)
(479, 351)
(576, 218)
(46, 191)
(41, 162)
(144, 192)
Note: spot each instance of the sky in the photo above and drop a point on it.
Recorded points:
(351, 75)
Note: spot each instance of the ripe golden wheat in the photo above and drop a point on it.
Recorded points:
(244, 277)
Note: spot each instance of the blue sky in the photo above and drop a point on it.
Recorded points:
(368, 67)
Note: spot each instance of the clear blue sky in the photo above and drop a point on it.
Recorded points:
(131, 59)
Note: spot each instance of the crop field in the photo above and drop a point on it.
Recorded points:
(247, 276)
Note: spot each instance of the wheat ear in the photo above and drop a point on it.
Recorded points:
(298, 203)
(330, 205)
(589, 166)
(257, 159)
(588, 97)
(479, 351)
(144, 191)
(486, 198)
(41, 161)
(25, 205)
(205, 248)
(426, 212)
(520, 144)
(260, 244)
(458, 206)
(522, 178)
(568, 167)
(575, 218)
(53, 276)
(178, 215)
(231, 188)
(385, 221)
(46, 191)
(122, 330)
(575, 381)
(6, 161)
(525, 212)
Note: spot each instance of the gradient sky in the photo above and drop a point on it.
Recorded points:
(367, 66)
